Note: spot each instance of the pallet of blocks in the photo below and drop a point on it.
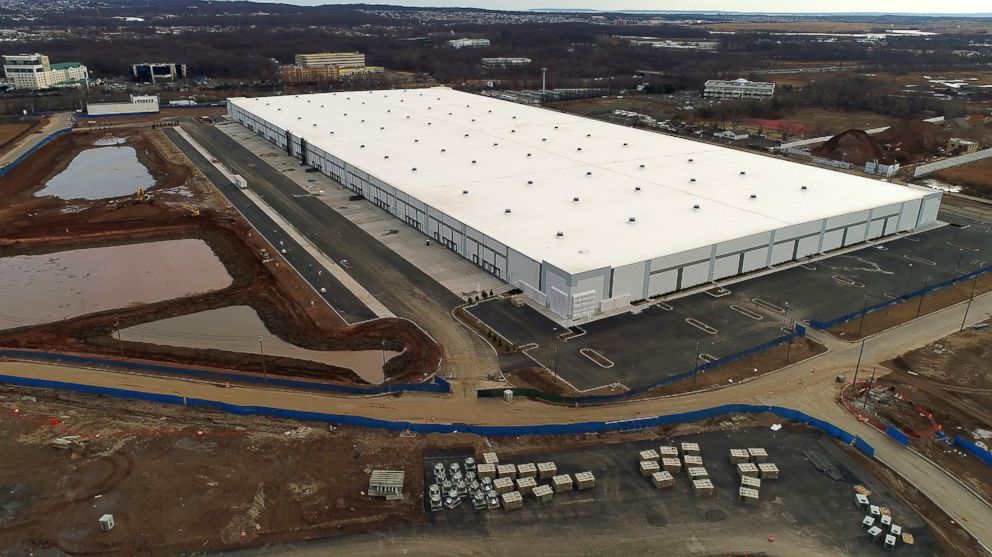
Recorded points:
(585, 480)
(690, 449)
(648, 467)
(512, 500)
(738, 456)
(662, 479)
(543, 493)
(702, 487)
(747, 469)
(546, 470)
(750, 481)
(528, 470)
(667, 451)
(486, 470)
(748, 495)
(692, 460)
(758, 455)
(526, 485)
(561, 483)
(650, 454)
(503, 485)
(490, 458)
(697, 473)
(672, 465)
(506, 471)
(767, 470)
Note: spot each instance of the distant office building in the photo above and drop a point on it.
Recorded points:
(738, 89)
(468, 43)
(503, 62)
(328, 59)
(302, 74)
(34, 72)
(153, 72)
(140, 104)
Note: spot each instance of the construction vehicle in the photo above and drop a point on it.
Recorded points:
(191, 210)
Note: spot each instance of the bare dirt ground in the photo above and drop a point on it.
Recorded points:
(179, 480)
(949, 383)
(33, 225)
(13, 130)
(975, 177)
(889, 317)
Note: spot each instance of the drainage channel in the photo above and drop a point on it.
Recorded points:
(747, 313)
(701, 326)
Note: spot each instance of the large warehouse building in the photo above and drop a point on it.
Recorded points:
(584, 216)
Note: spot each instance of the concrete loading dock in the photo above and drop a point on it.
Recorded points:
(562, 483)
(546, 470)
(585, 480)
(663, 479)
(480, 176)
(768, 470)
(648, 467)
(543, 493)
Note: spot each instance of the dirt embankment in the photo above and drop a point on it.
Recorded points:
(855, 147)
(32, 225)
(904, 142)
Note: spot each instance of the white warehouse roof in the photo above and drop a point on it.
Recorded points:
(536, 162)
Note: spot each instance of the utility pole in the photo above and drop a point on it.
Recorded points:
(261, 354)
(868, 390)
(788, 351)
(120, 342)
(860, 353)
(695, 370)
(905, 289)
(923, 295)
(971, 297)
(864, 311)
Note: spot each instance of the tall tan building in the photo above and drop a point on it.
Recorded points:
(327, 59)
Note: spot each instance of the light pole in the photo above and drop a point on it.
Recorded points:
(785, 318)
(868, 390)
(923, 295)
(544, 81)
(971, 297)
(864, 311)
(860, 353)
(695, 370)
(905, 289)
(120, 342)
(788, 351)
(261, 354)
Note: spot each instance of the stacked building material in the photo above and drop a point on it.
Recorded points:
(648, 467)
(512, 500)
(662, 479)
(585, 480)
(758, 455)
(747, 469)
(702, 487)
(546, 470)
(503, 485)
(672, 465)
(768, 470)
(506, 471)
(528, 470)
(526, 485)
(561, 483)
(543, 493)
(738, 456)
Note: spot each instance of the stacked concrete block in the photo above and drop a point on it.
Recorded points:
(748, 495)
(503, 485)
(697, 473)
(543, 493)
(672, 465)
(690, 449)
(692, 460)
(758, 455)
(585, 480)
(546, 470)
(668, 451)
(662, 479)
(506, 470)
(738, 456)
(526, 485)
(750, 481)
(650, 454)
(512, 500)
(648, 467)
(486, 470)
(528, 470)
(768, 470)
(490, 458)
(747, 469)
(702, 487)
(561, 483)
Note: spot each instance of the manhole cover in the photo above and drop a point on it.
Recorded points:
(715, 515)
(657, 520)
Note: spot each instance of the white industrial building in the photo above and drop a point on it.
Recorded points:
(468, 43)
(584, 216)
(139, 104)
(738, 89)
(328, 59)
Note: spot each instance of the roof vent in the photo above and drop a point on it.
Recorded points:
(624, 144)
(361, 146)
(692, 179)
(344, 113)
(466, 135)
(449, 114)
(382, 128)
(280, 108)
(560, 234)
(578, 148)
(690, 160)
(506, 211)
(575, 199)
(803, 188)
(407, 116)
(387, 110)
(528, 154)
(428, 123)
(443, 150)
(514, 117)
(429, 107)
(743, 173)
(308, 100)
(322, 106)
(530, 182)
(473, 161)
(513, 131)
(466, 106)
(588, 172)
(495, 144)
(416, 141)
(556, 127)
(637, 188)
(588, 135)
(315, 125)
(386, 157)
(362, 121)
(464, 192)
(414, 169)
(473, 119)
(490, 111)
(542, 139)
(332, 133)
(754, 196)
(266, 104)
(642, 166)
(695, 206)
(632, 219)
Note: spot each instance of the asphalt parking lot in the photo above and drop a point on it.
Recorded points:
(657, 342)
(804, 503)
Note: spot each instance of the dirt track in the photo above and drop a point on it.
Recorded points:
(32, 225)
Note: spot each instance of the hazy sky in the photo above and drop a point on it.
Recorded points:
(892, 6)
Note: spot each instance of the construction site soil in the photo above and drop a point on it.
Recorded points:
(946, 383)
(183, 205)
(179, 480)
(975, 177)
(904, 142)
(12, 130)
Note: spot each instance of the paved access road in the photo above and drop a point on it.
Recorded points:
(403, 288)
(56, 122)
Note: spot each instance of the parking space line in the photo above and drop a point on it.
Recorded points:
(746, 312)
(768, 305)
(919, 259)
(597, 358)
(701, 326)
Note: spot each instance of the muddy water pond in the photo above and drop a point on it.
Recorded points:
(37, 289)
(100, 173)
(238, 329)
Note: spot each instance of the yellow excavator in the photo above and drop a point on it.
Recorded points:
(191, 210)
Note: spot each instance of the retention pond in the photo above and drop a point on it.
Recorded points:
(36, 289)
(100, 173)
(240, 329)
